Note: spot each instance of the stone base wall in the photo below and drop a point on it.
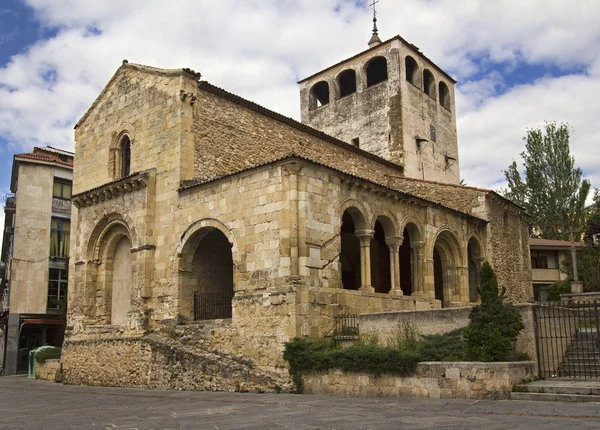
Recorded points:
(46, 371)
(161, 363)
(443, 380)
(386, 326)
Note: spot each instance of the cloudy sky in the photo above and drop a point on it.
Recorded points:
(517, 62)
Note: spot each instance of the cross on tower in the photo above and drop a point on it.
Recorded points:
(374, 16)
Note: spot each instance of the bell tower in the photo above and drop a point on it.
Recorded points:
(392, 101)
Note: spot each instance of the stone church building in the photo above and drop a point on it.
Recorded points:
(192, 203)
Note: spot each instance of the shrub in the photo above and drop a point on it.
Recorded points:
(558, 288)
(494, 325)
(443, 347)
(44, 353)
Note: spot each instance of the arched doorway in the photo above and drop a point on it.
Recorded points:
(446, 268)
(474, 262)
(409, 259)
(350, 250)
(121, 282)
(207, 276)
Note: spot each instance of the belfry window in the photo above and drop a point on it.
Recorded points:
(377, 71)
(125, 156)
(444, 95)
(411, 70)
(429, 83)
(320, 94)
(347, 82)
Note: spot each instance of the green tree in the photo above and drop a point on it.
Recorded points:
(592, 225)
(494, 325)
(552, 191)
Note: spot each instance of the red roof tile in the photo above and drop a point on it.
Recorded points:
(45, 156)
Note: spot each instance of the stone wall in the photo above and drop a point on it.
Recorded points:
(386, 326)
(436, 380)
(161, 363)
(46, 371)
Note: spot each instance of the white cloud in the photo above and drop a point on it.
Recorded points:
(259, 49)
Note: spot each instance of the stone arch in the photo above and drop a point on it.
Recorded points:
(207, 256)
(429, 83)
(444, 95)
(102, 223)
(353, 223)
(346, 82)
(447, 263)
(359, 212)
(412, 70)
(474, 259)
(410, 255)
(376, 70)
(319, 94)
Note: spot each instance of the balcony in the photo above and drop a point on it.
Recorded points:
(550, 275)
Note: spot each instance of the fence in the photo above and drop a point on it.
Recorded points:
(211, 306)
(345, 327)
(568, 340)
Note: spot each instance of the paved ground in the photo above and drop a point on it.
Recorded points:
(26, 404)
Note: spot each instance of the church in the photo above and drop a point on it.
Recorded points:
(199, 212)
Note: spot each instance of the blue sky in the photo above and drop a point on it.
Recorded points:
(518, 63)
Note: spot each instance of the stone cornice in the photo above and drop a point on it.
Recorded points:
(111, 190)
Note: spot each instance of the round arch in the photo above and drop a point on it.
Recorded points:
(346, 82)
(447, 260)
(111, 217)
(358, 211)
(376, 70)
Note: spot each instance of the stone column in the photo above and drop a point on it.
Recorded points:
(291, 171)
(419, 287)
(365, 237)
(394, 244)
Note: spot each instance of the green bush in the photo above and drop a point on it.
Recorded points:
(558, 288)
(442, 347)
(494, 325)
(44, 353)
(304, 355)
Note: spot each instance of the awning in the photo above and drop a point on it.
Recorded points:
(40, 321)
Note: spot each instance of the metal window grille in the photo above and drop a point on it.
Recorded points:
(210, 306)
(346, 327)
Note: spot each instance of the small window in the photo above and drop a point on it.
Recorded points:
(125, 156)
(62, 189)
(432, 133)
(320, 94)
(444, 95)
(411, 70)
(377, 71)
(347, 82)
(60, 234)
(539, 260)
(356, 142)
(57, 288)
(429, 83)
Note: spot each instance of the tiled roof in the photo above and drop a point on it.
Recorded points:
(548, 243)
(46, 157)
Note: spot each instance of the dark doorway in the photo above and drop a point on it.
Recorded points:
(380, 261)
(406, 265)
(350, 254)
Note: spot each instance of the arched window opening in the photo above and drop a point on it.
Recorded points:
(411, 70)
(125, 148)
(320, 94)
(207, 284)
(444, 95)
(380, 261)
(474, 255)
(446, 268)
(350, 255)
(377, 71)
(121, 282)
(429, 83)
(347, 82)
(406, 264)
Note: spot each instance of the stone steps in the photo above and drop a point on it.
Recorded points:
(559, 390)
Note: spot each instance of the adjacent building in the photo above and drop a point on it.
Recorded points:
(35, 254)
(546, 258)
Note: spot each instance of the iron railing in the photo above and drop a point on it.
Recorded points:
(568, 341)
(212, 306)
(345, 327)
